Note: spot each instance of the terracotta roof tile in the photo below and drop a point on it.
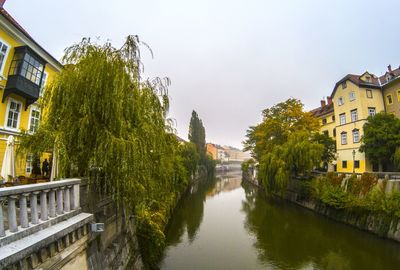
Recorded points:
(323, 110)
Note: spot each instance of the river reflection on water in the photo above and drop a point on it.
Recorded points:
(224, 224)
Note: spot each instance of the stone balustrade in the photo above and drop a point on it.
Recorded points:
(27, 206)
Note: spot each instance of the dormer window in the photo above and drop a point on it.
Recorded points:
(388, 77)
(368, 78)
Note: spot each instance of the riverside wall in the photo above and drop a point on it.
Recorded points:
(117, 247)
(379, 224)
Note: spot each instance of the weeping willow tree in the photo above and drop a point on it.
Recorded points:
(104, 119)
(284, 145)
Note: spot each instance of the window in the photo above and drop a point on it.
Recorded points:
(371, 111)
(369, 93)
(389, 99)
(333, 118)
(356, 136)
(354, 115)
(388, 78)
(3, 55)
(324, 121)
(34, 119)
(340, 101)
(344, 164)
(334, 132)
(343, 137)
(342, 118)
(29, 162)
(368, 78)
(43, 84)
(398, 95)
(344, 85)
(356, 164)
(352, 96)
(326, 132)
(13, 115)
(27, 66)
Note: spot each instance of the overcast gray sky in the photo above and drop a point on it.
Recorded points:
(230, 59)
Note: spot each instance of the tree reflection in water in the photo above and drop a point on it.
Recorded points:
(291, 237)
(188, 214)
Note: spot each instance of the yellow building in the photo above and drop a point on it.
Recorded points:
(25, 69)
(390, 82)
(354, 99)
(326, 116)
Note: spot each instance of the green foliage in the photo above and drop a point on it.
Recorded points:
(104, 118)
(247, 164)
(284, 144)
(329, 146)
(381, 138)
(278, 123)
(190, 156)
(357, 193)
(197, 134)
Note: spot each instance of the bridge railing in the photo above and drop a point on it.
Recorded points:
(28, 206)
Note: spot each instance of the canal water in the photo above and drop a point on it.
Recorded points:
(226, 224)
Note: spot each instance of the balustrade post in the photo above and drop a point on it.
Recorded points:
(67, 204)
(34, 208)
(23, 211)
(74, 197)
(60, 200)
(52, 203)
(43, 205)
(2, 231)
(12, 214)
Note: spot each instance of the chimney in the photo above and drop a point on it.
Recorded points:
(2, 3)
(329, 100)
(390, 68)
(323, 103)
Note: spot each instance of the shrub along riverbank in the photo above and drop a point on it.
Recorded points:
(357, 201)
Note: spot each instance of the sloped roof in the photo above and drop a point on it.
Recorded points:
(9, 18)
(356, 79)
(323, 110)
(394, 74)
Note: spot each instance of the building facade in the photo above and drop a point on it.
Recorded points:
(25, 69)
(353, 100)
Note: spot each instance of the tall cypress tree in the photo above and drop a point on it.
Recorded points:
(197, 133)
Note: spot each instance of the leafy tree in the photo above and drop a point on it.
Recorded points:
(103, 117)
(197, 134)
(278, 123)
(381, 138)
(329, 147)
(191, 157)
(283, 144)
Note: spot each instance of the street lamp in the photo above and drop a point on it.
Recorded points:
(354, 161)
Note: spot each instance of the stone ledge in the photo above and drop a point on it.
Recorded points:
(20, 249)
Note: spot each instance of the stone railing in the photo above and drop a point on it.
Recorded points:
(27, 209)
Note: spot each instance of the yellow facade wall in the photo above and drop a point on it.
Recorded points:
(25, 114)
(393, 89)
(361, 103)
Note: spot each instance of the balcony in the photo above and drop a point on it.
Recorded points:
(16, 84)
(25, 75)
